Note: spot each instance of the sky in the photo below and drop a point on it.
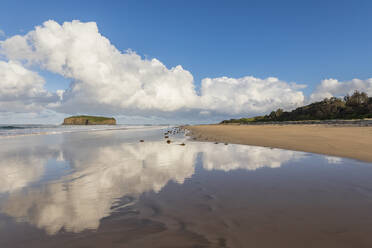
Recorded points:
(178, 61)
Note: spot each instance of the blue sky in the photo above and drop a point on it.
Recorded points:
(296, 41)
(301, 42)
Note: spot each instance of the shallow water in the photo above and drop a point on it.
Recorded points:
(7, 131)
(107, 189)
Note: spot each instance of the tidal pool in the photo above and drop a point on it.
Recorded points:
(107, 189)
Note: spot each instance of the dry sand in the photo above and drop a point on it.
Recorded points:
(343, 141)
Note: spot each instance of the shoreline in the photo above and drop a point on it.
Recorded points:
(335, 122)
(353, 142)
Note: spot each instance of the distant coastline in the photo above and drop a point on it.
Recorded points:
(355, 107)
(335, 122)
(335, 126)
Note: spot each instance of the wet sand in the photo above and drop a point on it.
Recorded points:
(343, 141)
(108, 189)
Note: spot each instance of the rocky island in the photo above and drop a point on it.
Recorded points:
(89, 120)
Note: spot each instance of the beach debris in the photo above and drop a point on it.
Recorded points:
(142, 141)
(168, 141)
(183, 144)
(216, 142)
(226, 144)
(166, 137)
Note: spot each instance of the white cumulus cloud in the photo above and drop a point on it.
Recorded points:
(106, 80)
(248, 95)
(21, 88)
(333, 87)
(103, 77)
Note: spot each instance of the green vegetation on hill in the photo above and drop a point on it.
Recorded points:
(89, 120)
(356, 106)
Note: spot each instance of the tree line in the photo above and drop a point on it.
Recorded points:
(355, 106)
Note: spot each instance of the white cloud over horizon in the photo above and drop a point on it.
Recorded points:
(332, 87)
(105, 80)
(248, 95)
(22, 89)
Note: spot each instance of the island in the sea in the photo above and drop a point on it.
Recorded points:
(89, 120)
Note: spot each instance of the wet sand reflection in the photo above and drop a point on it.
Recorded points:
(129, 194)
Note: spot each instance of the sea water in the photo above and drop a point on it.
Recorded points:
(35, 129)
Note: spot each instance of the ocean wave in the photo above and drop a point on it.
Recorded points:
(11, 127)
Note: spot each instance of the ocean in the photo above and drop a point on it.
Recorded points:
(7, 130)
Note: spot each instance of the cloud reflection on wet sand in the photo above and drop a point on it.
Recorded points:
(104, 189)
(103, 173)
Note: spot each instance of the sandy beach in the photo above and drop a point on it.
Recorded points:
(89, 188)
(343, 141)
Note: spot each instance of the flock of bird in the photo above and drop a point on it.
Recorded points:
(173, 131)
